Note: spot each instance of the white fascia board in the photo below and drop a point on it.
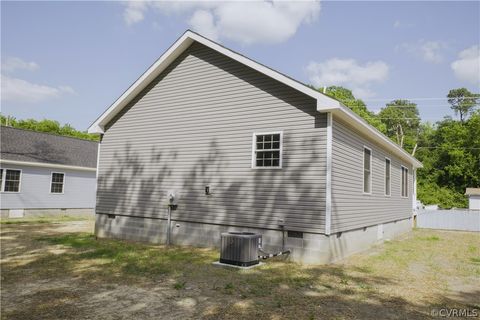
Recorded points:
(46, 165)
(326, 104)
(178, 48)
(321, 98)
(96, 129)
(161, 64)
(361, 125)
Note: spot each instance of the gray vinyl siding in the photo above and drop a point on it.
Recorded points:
(193, 127)
(351, 208)
(79, 190)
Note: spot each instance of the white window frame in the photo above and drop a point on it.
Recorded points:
(4, 175)
(51, 181)
(254, 150)
(401, 182)
(390, 178)
(363, 170)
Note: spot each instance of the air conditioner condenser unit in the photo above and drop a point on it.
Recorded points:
(239, 248)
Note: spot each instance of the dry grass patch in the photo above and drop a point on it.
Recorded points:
(45, 219)
(74, 275)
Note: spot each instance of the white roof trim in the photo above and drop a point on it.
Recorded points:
(178, 48)
(361, 125)
(46, 165)
(324, 103)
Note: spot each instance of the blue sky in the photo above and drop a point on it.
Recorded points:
(69, 61)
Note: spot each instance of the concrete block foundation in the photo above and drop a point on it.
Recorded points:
(311, 249)
(42, 213)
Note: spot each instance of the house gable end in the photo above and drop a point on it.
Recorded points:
(192, 127)
(233, 72)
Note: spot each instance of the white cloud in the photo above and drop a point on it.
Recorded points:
(429, 51)
(263, 22)
(348, 73)
(11, 64)
(467, 66)
(246, 22)
(399, 24)
(205, 24)
(134, 12)
(18, 90)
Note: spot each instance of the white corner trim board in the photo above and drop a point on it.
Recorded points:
(328, 195)
(46, 165)
(324, 103)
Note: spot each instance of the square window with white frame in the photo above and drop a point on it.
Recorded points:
(267, 150)
(10, 180)
(57, 182)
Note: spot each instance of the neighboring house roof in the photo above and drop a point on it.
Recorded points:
(19, 146)
(472, 192)
(324, 103)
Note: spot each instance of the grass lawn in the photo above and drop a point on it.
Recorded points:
(44, 219)
(60, 271)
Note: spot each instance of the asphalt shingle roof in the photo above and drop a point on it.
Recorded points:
(31, 146)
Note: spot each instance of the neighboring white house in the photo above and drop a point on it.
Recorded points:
(473, 198)
(42, 174)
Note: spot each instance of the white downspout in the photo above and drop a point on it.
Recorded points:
(97, 171)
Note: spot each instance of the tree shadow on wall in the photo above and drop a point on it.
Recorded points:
(134, 183)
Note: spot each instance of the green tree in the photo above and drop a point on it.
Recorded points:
(402, 122)
(463, 102)
(346, 97)
(46, 125)
(448, 149)
(450, 153)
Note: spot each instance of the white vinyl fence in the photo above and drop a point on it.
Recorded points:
(455, 219)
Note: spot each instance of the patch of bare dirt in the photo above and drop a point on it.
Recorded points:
(43, 280)
(68, 297)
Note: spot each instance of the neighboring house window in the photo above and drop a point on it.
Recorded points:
(387, 176)
(11, 180)
(367, 170)
(404, 182)
(267, 150)
(57, 182)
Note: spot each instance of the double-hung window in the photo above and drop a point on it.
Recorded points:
(404, 182)
(57, 182)
(267, 150)
(367, 170)
(10, 180)
(388, 166)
